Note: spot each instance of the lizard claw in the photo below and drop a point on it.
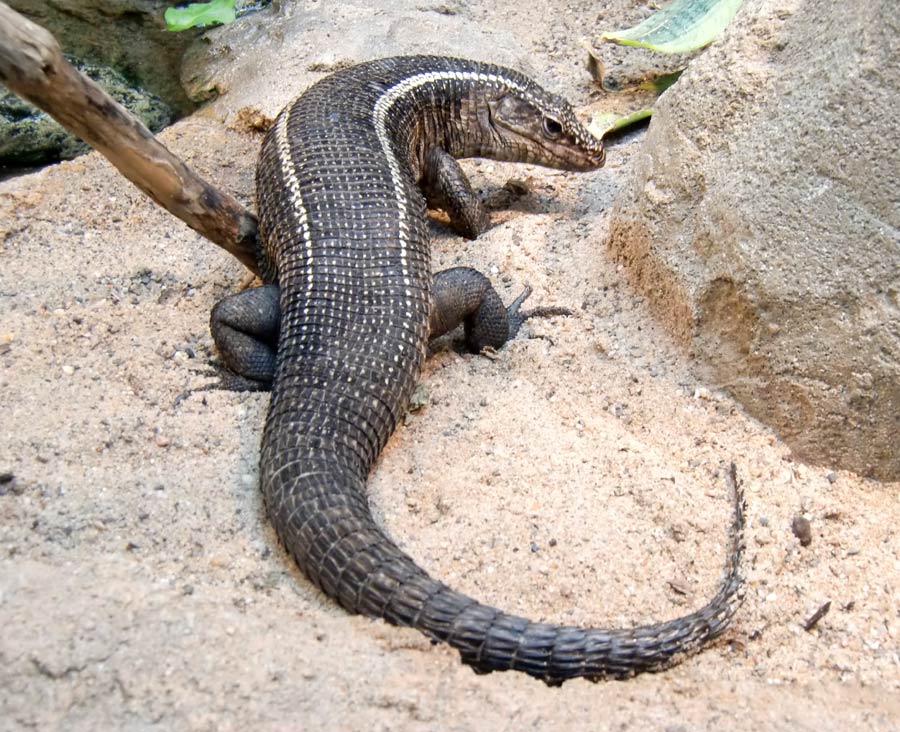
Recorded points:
(225, 380)
(516, 316)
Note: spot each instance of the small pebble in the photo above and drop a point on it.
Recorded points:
(519, 187)
(679, 587)
(802, 530)
(7, 484)
(419, 398)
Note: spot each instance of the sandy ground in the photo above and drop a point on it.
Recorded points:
(577, 477)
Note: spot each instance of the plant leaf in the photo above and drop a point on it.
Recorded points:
(611, 122)
(603, 123)
(659, 84)
(685, 25)
(200, 14)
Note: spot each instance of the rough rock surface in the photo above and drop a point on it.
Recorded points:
(762, 220)
(128, 35)
(576, 478)
(227, 61)
(29, 136)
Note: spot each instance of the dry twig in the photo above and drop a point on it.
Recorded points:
(32, 66)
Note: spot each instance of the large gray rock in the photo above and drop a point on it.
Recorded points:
(29, 136)
(267, 58)
(762, 221)
(128, 35)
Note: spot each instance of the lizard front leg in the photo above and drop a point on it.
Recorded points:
(447, 187)
(464, 295)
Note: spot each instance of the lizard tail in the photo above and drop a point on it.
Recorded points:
(323, 518)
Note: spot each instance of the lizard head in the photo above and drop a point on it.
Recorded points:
(531, 125)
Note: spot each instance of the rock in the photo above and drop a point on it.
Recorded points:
(617, 67)
(802, 530)
(761, 221)
(29, 136)
(128, 35)
(253, 58)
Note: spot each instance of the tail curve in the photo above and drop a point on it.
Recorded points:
(323, 519)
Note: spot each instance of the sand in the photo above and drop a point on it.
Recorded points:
(576, 477)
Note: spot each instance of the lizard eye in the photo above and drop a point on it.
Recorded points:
(552, 127)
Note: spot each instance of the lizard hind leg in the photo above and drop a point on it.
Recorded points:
(464, 295)
(245, 329)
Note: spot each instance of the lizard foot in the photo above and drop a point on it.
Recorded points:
(224, 380)
(464, 295)
(516, 316)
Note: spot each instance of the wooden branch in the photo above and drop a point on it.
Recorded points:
(32, 66)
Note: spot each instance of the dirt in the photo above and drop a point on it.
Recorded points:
(579, 476)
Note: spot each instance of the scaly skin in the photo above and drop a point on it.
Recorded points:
(343, 221)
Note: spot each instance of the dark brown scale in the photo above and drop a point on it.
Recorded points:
(355, 310)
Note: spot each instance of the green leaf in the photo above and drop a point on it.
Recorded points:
(685, 25)
(659, 84)
(611, 122)
(200, 14)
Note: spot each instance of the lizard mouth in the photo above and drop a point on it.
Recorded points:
(594, 159)
(568, 157)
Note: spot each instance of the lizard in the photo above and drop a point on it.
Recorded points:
(339, 328)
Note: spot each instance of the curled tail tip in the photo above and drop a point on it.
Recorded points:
(738, 534)
(489, 640)
(349, 556)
